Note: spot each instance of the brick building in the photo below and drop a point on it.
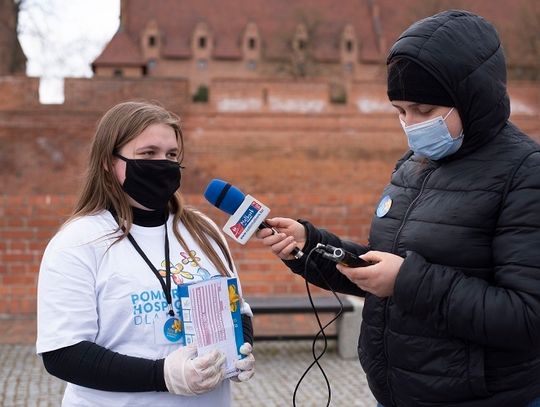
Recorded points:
(246, 39)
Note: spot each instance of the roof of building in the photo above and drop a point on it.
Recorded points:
(276, 22)
(121, 50)
(377, 23)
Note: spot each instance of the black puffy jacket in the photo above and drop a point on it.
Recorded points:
(463, 325)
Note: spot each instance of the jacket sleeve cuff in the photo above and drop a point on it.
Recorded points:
(297, 265)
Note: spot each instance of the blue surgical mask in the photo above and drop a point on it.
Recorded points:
(432, 139)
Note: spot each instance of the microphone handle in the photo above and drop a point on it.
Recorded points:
(296, 252)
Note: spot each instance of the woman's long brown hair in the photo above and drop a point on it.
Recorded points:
(101, 189)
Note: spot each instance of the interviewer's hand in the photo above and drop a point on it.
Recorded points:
(245, 365)
(290, 234)
(187, 375)
(378, 279)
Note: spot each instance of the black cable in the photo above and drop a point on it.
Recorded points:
(321, 332)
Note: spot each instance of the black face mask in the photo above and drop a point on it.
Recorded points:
(151, 182)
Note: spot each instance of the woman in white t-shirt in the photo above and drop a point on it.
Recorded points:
(107, 298)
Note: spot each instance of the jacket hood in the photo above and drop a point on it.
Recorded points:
(463, 51)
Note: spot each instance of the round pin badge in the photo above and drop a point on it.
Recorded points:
(384, 206)
(173, 329)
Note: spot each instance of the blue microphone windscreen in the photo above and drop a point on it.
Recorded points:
(229, 201)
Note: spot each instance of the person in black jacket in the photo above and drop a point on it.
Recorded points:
(452, 300)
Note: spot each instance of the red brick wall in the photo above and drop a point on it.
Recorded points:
(18, 92)
(102, 93)
(26, 225)
(329, 168)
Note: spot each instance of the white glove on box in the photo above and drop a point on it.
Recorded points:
(245, 365)
(187, 375)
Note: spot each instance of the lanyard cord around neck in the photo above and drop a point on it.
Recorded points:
(165, 285)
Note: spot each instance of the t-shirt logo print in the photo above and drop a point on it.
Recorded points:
(193, 260)
(190, 258)
(177, 272)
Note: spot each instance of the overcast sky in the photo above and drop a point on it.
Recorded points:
(61, 38)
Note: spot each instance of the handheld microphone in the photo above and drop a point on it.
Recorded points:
(247, 213)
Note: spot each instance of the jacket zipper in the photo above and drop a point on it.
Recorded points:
(408, 211)
(394, 244)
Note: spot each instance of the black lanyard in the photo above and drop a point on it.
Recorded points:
(165, 285)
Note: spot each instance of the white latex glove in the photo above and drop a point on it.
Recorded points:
(245, 365)
(187, 374)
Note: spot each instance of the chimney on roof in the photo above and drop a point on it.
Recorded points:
(375, 12)
(123, 15)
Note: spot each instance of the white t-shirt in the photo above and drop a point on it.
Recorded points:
(92, 290)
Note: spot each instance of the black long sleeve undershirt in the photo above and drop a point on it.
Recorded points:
(90, 365)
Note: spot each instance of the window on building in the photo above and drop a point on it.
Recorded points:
(151, 64)
(251, 65)
(201, 96)
(152, 41)
(338, 94)
(118, 73)
(252, 43)
(202, 64)
(349, 45)
(301, 44)
(202, 42)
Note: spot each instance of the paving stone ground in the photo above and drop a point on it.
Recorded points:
(280, 364)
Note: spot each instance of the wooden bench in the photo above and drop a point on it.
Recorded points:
(301, 305)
